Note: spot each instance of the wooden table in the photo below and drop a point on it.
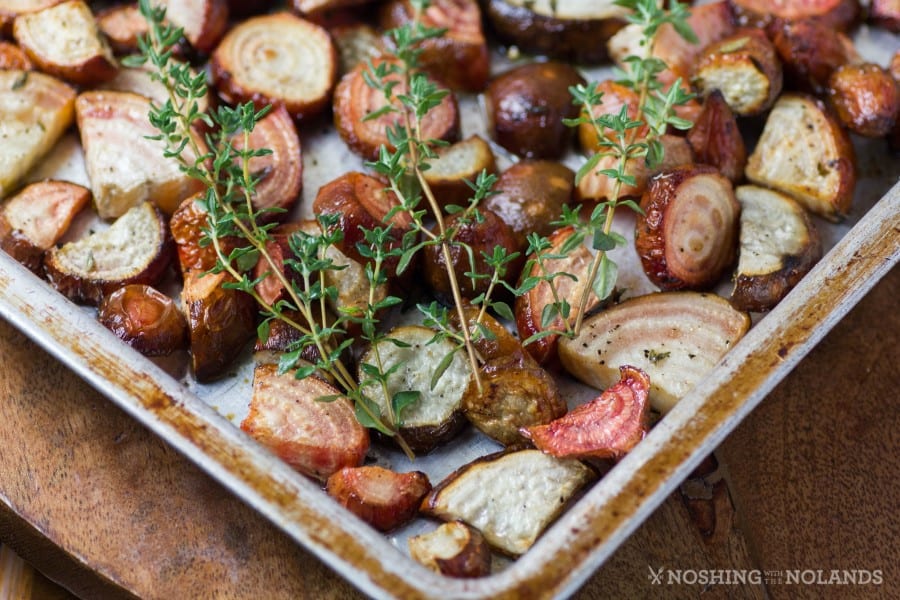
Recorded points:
(808, 481)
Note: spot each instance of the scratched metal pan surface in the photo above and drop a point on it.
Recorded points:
(199, 420)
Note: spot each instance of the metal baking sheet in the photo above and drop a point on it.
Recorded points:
(199, 419)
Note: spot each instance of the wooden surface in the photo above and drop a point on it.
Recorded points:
(105, 509)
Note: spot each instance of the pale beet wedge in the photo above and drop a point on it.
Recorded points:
(454, 166)
(453, 549)
(35, 110)
(687, 235)
(575, 30)
(221, 321)
(136, 248)
(509, 497)
(436, 416)
(886, 14)
(744, 67)
(280, 172)
(607, 427)
(459, 58)
(145, 319)
(305, 422)
(354, 99)
(64, 41)
(779, 245)
(38, 216)
(10, 9)
(277, 59)
(126, 168)
(382, 498)
(674, 337)
(805, 153)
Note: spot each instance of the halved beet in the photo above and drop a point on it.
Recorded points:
(137, 248)
(38, 216)
(382, 498)
(145, 319)
(607, 427)
(288, 415)
(687, 235)
(277, 59)
(354, 99)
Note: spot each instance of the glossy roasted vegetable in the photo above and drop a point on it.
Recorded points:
(220, 322)
(525, 107)
(382, 498)
(453, 549)
(716, 139)
(530, 195)
(145, 319)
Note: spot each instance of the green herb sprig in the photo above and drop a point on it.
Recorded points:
(222, 166)
(625, 139)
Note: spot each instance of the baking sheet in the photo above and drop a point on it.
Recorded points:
(197, 419)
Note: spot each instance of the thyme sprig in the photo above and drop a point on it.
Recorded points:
(220, 160)
(404, 168)
(624, 139)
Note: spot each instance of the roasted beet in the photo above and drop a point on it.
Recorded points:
(482, 236)
(607, 427)
(382, 498)
(810, 51)
(354, 99)
(865, 98)
(744, 67)
(277, 59)
(530, 196)
(716, 139)
(687, 234)
(288, 416)
(359, 202)
(459, 58)
(453, 549)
